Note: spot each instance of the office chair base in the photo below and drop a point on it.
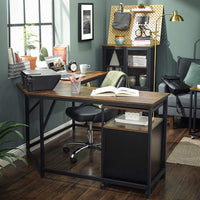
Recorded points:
(86, 145)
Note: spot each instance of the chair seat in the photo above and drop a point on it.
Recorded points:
(90, 113)
(87, 113)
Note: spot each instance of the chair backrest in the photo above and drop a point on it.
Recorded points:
(121, 82)
(116, 79)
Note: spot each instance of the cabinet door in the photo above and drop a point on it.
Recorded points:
(113, 58)
(140, 68)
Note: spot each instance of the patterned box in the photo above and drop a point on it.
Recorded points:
(133, 115)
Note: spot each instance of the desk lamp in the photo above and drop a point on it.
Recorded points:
(175, 18)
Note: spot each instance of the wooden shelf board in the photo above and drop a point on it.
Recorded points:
(137, 67)
(130, 127)
(120, 66)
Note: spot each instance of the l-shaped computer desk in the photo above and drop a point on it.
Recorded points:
(140, 162)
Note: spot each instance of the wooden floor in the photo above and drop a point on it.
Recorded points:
(24, 183)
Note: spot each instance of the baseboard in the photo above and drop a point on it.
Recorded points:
(21, 150)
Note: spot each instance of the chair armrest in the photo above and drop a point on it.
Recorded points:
(162, 87)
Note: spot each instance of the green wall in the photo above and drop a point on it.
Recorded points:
(178, 38)
(89, 52)
(11, 99)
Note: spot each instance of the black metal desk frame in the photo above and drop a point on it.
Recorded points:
(42, 168)
(192, 118)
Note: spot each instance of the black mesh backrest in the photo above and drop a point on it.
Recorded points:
(121, 82)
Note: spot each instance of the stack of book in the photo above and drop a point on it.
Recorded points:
(137, 61)
(143, 41)
(15, 64)
(14, 70)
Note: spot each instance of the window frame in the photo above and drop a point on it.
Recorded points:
(39, 24)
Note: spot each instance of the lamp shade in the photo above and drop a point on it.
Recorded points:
(176, 17)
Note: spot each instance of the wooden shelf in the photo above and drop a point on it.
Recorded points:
(120, 66)
(130, 127)
(145, 9)
(126, 46)
(138, 67)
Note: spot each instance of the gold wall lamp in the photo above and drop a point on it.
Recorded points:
(175, 18)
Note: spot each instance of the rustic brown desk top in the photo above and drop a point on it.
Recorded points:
(62, 91)
(92, 75)
(195, 89)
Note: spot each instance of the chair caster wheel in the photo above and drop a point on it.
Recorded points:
(73, 160)
(102, 185)
(193, 137)
(66, 149)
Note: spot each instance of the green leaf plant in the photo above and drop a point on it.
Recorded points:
(6, 128)
(30, 40)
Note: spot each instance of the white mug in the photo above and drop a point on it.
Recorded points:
(83, 68)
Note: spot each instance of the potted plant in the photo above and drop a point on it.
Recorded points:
(29, 44)
(141, 5)
(7, 128)
(43, 53)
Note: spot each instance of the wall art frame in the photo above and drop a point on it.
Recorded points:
(85, 21)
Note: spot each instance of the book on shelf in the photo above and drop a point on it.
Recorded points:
(139, 61)
(11, 59)
(143, 41)
(61, 50)
(113, 91)
(143, 120)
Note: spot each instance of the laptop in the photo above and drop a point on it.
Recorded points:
(56, 63)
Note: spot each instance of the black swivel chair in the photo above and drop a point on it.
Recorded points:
(91, 113)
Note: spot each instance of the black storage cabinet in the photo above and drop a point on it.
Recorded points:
(125, 154)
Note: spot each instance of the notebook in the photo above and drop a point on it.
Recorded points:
(56, 63)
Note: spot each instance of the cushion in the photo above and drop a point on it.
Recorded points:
(193, 75)
(183, 65)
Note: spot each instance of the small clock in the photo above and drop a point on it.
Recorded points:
(72, 66)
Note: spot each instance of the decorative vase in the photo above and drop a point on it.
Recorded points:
(142, 80)
(119, 39)
(32, 61)
(132, 81)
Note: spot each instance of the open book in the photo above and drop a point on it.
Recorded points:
(113, 91)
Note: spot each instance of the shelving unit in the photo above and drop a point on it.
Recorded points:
(131, 69)
(134, 155)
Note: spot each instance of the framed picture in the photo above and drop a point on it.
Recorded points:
(85, 21)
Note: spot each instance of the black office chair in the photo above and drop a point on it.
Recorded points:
(92, 113)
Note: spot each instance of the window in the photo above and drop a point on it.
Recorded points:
(39, 14)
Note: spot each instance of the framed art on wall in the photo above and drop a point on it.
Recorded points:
(85, 21)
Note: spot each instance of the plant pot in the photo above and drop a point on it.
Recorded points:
(32, 61)
(140, 6)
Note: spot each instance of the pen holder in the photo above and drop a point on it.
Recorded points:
(75, 87)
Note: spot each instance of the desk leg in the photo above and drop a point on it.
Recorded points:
(42, 152)
(195, 111)
(164, 137)
(190, 117)
(148, 191)
(27, 121)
